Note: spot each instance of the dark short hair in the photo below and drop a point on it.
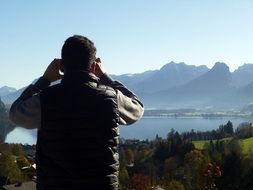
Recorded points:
(78, 53)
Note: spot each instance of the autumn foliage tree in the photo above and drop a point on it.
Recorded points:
(195, 164)
(129, 156)
(175, 185)
(140, 182)
(9, 168)
(173, 163)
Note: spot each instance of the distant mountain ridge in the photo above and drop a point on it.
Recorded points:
(6, 90)
(5, 125)
(243, 75)
(178, 85)
(170, 75)
(216, 88)
(198, 92)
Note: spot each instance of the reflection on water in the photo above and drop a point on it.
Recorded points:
(148, 127)
(145, 128)
(21, 135)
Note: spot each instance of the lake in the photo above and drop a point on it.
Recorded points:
(146, 128)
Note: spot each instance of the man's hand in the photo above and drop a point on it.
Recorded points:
(97, 68)
(52, 72)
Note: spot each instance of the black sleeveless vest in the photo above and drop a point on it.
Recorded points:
(79, 135)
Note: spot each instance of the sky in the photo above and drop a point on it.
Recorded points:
(131, 36)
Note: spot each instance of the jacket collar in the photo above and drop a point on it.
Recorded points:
(74, 77)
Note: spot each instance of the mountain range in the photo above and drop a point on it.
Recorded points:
(178, 85)
(5, 125)
(5, 90)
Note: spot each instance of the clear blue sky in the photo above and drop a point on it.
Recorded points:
(131, 36)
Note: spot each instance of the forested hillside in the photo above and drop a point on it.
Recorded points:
(175, 163)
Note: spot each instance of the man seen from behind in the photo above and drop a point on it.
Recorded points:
(77, 120)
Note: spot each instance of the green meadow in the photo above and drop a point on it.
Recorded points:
(247, 144)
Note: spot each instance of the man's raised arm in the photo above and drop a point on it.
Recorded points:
(130, 107)
(25, 111)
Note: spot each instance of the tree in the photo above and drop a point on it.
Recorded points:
(229, 128)
(22, 162)
(234, 146)
(17, 150)
(211, 174)
(195, 164)
(213, 152)
(247, 181)
(123, 178)
(175, 185)
(140, 182)
(9, 168)
(129, 156)
(226, 130)
(247, 172)
(170, 165)
(231, 172)
(244, 130)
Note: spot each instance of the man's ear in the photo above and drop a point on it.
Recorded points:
(93, 67)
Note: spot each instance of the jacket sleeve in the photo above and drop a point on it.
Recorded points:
(130, 107)
(25, 111)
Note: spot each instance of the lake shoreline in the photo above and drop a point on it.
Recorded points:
(197, 113)
(148, 127)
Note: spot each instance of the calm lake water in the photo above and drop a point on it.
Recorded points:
(146, 128)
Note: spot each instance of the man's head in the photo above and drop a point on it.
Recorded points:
(78, 53)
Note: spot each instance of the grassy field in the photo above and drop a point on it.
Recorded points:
(247, 144)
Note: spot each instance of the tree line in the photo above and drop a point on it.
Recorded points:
(173, 163)
(244, 130)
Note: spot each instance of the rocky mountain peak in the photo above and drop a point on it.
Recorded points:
(243, 75)
(245, 67)
(172, 65)
(6, 90)
(220, 67)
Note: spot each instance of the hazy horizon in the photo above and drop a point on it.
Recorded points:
(209, 67)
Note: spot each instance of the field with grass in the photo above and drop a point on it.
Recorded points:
(247, 144)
